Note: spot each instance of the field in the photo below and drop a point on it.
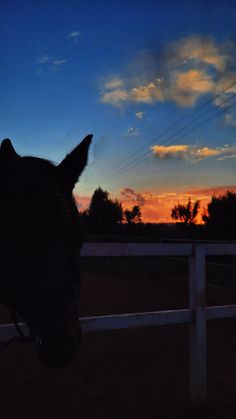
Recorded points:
(139, 373)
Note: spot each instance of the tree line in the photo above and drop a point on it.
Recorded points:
(106, 215)
(219, 218)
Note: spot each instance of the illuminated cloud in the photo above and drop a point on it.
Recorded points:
(167, 152)
(115, 97)
(193, 153)
(139, 115)
(149, 93)
(195, 50)
(190, 85)
(114, 83)
(207, 193)
(186, 70)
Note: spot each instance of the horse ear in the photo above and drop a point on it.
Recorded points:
(7, 150)
(74, 163)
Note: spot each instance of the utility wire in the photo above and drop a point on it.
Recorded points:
(122, 164)
(121, 173)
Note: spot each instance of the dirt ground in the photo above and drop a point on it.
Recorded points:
(138, 373)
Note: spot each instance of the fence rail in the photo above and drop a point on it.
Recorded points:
(196, 315)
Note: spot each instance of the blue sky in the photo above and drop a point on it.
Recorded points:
(126, 72)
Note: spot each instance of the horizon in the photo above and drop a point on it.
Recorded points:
(154, 82)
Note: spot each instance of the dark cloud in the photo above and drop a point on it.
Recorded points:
(129, 193)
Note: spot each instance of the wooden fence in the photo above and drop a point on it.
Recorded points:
(196, 315)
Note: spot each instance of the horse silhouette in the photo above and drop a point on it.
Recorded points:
(40, 241)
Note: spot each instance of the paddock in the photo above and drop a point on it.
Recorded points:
(145, 331)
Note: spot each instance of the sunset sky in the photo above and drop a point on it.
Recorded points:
(154, 81)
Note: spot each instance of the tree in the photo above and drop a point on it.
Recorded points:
(104, 213)
(220, 219)
(186, 214)
(133, 216)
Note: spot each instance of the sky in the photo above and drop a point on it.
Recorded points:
(153, 81)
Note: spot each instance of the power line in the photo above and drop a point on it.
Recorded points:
(122, 164)
(144, 157)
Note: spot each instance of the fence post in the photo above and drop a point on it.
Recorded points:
(198, 340)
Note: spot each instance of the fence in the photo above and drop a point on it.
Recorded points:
(196, 315)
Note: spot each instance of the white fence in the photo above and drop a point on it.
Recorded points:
(196, 314)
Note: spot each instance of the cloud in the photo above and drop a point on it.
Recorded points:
(206, 193)
(58, 63)
(195, 50)
(229, 119)
(149, 93)
(43, 59)
(115, 97)
(74, 36)
(132, 131)
(48, 63)
(166, 152)
(184, 71)
(193, 153)
(114, 83)
(133, 196)
(188, 86)
(143, 94)
(139, 115)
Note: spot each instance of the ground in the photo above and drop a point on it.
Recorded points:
(139, 373)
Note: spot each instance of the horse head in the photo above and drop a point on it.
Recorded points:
(40, 241)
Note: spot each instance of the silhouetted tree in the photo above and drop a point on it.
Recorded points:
(104, 213)
(220, 219)
(186, 214)
(133, 216)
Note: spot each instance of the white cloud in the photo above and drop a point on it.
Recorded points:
(139, 115)
(43, 59)
(132, 131)
(74, 36)
(48, 63)
(58, 63)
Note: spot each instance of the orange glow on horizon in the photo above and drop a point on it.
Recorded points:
(156, 207)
